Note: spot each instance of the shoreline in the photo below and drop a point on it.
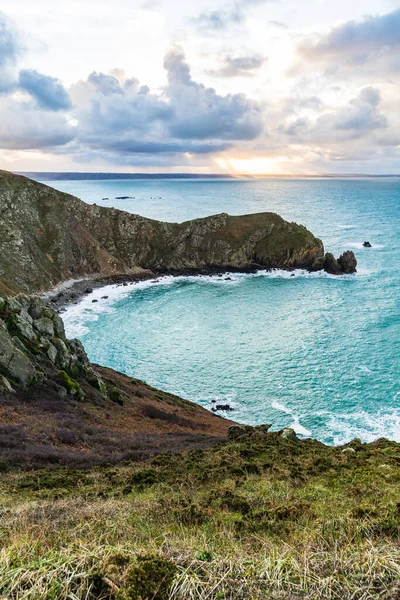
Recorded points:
(71, 291)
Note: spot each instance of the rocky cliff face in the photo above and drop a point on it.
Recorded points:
(47, 237)
(34, 351)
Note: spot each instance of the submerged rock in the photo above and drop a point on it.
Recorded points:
(367, 245)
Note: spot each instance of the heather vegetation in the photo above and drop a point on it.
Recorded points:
(260, 516)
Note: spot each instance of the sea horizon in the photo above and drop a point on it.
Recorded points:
(105, 175)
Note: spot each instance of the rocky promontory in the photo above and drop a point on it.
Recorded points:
(47, 237)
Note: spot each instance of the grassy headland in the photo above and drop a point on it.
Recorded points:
(257, 517)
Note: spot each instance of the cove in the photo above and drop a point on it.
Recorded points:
(279, 347)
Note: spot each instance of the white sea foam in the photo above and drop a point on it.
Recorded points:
(364, 369)
(281, 407)
(85, 311)
(366, 426)
(296, 425)
(77, 315)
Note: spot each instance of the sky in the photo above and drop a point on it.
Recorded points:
(244, 87)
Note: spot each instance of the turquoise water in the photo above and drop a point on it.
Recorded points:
(315, 352)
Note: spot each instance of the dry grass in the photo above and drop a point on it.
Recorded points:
(331, 532)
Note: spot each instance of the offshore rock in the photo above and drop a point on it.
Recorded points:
(348, 262)
(47, 237)
(331, 265)
(318, 264)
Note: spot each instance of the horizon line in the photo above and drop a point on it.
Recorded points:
(119, 175)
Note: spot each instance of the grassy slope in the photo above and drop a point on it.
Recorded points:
(257, 518)
(38, 428)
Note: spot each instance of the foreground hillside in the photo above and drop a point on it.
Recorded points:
(259, 517)
(57, 408)
(47, 237)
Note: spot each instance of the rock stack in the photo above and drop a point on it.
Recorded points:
(344, 265)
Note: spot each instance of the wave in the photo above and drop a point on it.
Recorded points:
(296, 425)
(85, 311)
(366, 426)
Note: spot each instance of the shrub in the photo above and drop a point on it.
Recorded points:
(70, 384)
(115, 396)
(204, 556)
(151, 577)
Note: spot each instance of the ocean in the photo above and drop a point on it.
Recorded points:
(314, 352)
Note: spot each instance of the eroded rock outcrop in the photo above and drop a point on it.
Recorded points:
(35, 350)
(346, 264)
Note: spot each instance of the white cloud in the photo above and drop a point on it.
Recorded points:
(326, 95)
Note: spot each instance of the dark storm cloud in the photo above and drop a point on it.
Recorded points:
(26, 127)
(30, 122)
(48, 92)
(240, 66)
(172, 147)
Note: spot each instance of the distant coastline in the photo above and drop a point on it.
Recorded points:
(71, 176)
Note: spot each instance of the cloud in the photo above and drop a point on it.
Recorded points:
(218, 20)
(125, 118)
(9, 52)
(200, 113)
(26, 127)
(355, 120)
(48, 92)
(240, 66)
(221, 18)
(355, 43)
(169, 147)
(28, 120)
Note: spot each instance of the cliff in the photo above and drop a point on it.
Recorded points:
(47, 237)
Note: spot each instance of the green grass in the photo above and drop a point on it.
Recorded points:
(258, 518)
